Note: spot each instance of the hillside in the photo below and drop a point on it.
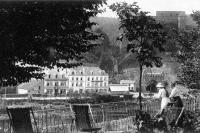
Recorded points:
(112, 56)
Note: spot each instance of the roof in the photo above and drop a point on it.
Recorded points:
(84, 70)
(118, 88)
(55, 71)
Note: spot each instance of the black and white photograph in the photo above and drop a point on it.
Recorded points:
(99, 66)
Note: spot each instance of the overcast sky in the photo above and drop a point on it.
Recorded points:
(159, 5)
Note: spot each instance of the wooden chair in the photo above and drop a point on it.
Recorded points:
(20, 119)
(82, 118)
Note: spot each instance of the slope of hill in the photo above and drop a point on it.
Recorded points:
(110, 26)
(113, 55)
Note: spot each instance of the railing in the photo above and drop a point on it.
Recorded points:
(109, 116)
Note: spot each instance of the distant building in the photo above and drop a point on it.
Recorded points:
(129, 83)
(56, 82)
(34, 86)
(176, 19)
(118, 89)
(156, 74)
(84, 78)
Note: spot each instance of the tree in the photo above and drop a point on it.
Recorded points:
(145, 36)
(34, 35)
(188, 55)
(196, 17)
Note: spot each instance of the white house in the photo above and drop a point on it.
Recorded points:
(87, 79)
(55, 82)
(130, 83)
(118, 89)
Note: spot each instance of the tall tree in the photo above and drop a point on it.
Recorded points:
(34, 35)
(188, 57)
(146, 37)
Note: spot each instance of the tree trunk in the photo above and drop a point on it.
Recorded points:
(140, 88)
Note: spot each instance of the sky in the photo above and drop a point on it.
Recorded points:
(158, 5)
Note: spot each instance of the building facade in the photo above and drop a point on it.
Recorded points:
(129, 83)
(176, 19)
(84, 78)
(55, 82)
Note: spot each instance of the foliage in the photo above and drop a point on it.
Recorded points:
(190, 122)
(145, 36)
(34, 35)
(109, 57)
(196, 15)
(188, 57)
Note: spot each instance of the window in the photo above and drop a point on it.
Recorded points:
(63, 91)
(63, 83)
(81, 84)
(47, 83)
(81, 78)
(72, 84)
(88, 78)
(73, 73)
(96, 78)
(100, 84)
(101, 78)
(92, 78)
(81, 73)
(49, 75)
(56, 76)
(88, 84)
(105, 84)
(92, 73)
(105, 78)
(72, 78)
(56, 83)
(63, 76)
(77, 78)
(76, 84)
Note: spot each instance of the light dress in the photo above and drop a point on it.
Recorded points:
(164, 99)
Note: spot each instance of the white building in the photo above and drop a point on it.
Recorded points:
(84, 78)
(34, 86)
(129, 83)
(118, 89)
(55, 82)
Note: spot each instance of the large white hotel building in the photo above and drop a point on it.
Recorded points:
(81, 79)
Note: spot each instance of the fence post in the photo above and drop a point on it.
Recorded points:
(46, 121)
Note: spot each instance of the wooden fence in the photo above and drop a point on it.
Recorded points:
(110, 116)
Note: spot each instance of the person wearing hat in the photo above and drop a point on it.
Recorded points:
(164, 95)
